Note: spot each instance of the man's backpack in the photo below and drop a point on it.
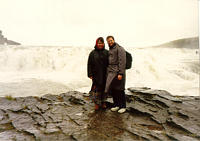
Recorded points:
(128, 60)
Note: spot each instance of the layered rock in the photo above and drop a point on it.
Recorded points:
(151, 115)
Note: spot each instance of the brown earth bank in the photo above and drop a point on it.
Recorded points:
(153, 115)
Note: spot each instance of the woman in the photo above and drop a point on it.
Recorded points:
(97, 66)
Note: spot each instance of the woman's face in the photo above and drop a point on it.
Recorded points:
(100, 45)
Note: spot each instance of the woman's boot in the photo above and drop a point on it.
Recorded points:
(96, 107)
(103, 105)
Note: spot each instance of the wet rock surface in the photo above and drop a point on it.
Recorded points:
(151, 115)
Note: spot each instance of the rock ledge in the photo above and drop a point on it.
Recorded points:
(151, 115)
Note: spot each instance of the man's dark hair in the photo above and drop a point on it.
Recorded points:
(110, 37)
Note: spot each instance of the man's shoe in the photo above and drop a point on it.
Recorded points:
(114, 109)
(122, 110)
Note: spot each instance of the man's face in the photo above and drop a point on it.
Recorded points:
(110, 42)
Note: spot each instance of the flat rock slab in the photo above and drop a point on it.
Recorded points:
(151, 115)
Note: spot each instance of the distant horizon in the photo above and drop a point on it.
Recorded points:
(159, 43)
(105, 43)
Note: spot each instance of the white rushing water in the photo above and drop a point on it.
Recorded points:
(26, 70)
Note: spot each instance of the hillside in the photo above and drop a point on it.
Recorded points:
(191, 43)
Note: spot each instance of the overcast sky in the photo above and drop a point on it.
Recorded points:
(80, 22)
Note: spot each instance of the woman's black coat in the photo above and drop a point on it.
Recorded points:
(97, 67)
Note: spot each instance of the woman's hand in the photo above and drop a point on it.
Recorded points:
(119, 77)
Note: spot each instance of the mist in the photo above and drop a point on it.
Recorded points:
(79, 23)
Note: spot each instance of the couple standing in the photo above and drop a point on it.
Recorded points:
(107, 69)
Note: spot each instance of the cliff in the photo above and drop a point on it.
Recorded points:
(4, 40)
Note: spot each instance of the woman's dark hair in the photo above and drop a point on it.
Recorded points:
(110, 37)
(100, 39)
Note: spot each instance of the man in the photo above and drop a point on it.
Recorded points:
(116, 75)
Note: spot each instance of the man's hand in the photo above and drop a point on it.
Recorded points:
(91, 77)
(119, 77)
